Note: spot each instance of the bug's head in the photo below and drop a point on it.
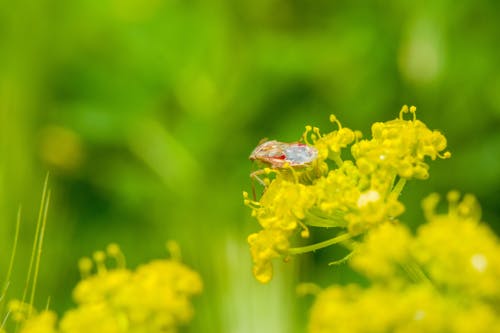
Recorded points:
(263, 146)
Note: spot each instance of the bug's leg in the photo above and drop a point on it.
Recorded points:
(264, 182)
(255, 175)
(254, 196)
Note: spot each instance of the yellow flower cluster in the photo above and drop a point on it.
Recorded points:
(399, 147)
(353, 195)
(43, 322)
(279, 212)
(443, 279)
(153, 298)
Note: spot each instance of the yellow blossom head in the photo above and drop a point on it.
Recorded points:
(443, 279)
(153, 298)
(353, 196)
(400, 146)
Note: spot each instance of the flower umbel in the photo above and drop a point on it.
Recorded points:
(156, 297)
(443, 279)
(352, 196)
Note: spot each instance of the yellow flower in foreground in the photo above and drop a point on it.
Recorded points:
(96, 317)
(156, 297)
(378, 309)
(44, 322)
(444, 279)
(459, 253)
(352, 196)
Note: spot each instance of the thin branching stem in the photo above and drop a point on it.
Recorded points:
(337, 159)
(320, 245)
(396, 191)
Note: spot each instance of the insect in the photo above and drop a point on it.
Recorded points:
(278, 154)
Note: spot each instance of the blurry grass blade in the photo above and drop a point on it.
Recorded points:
(11, 262)
(48, 304)
(5, 319)
(36, 238)
(39, 253)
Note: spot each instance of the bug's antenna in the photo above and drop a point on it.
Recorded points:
(262, 141)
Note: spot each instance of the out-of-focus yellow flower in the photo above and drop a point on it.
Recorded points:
(30, 320)
(156, 297)
(383, 252)
(459, 253)
(153, 298)
(352, 196)
(379, 309)
(94, 317)
(44, 322)
(443, 279)
(100, 287)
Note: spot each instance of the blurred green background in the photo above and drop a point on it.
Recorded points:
(145, 111)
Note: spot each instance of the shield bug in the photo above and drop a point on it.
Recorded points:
(279, 154)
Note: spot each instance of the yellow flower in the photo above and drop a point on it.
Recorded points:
(338, 192)
(101, 286)
(330, 145)
(353, 196)
(443, 279)
(352, 309)
(458, 252)
(44, 322)
(400, 146)
(94, 317)
(156, 297)
(417, 308)
(264, 246)
(383, 252)
(279, 212)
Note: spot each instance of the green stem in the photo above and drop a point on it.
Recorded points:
(342, 260)
(415, 272)
(337, 159)
(318, 220)
(396, 191)
(320, 245)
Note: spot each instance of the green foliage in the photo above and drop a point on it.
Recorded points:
(144, 112)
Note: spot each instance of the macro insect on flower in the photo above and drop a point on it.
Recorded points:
(280, 155)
